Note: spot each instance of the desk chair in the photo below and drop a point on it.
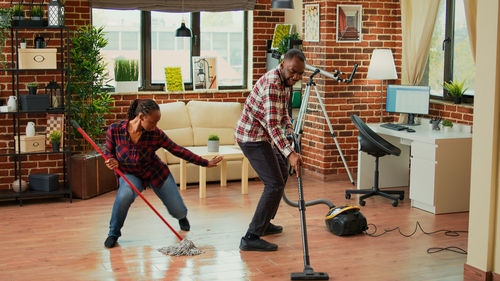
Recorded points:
(376, 146)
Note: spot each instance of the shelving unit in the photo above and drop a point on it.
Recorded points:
(63, 63)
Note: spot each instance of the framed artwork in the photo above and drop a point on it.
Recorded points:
(311, 23)
(54, 122)
(204, 73)
(279, 31)
(173, 79)
(348, 23)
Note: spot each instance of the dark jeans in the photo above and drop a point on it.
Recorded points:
(271, 167)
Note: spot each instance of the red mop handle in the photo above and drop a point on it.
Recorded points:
(123, 176)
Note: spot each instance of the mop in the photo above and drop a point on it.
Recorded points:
(185, 247)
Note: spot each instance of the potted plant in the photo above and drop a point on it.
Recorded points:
(89, 106)
(455, 90)
(32, 87)
(126, 75)
(23, 43)
(5, 21)
(18, 12)
(213, 143)
(55, 139)
(447, 125)
(36, 12)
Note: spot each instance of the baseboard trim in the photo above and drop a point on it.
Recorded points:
(472, 273)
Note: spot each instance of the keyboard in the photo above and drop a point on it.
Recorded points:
(394, 126)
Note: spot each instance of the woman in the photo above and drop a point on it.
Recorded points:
(131, 147)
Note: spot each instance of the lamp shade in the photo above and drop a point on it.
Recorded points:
(382, 65)
(281, 4)
(183, 31)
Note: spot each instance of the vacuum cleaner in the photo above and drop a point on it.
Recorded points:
(341, 221)
(308, 273)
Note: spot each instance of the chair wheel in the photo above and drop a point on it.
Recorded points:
(347, 195)
(401, 197)
(362, 202)
(395, 203)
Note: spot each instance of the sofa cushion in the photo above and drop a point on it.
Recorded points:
(176, 124)
(213, 118)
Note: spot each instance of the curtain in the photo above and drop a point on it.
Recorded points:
(175, 5)
(470, 15)
(417, 19)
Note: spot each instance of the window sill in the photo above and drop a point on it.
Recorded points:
(446, 102)
(182, 92)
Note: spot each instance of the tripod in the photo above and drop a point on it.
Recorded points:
(299, 124)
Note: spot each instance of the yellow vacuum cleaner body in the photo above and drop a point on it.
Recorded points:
(345, 220)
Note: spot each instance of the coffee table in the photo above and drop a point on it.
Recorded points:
(229, 153)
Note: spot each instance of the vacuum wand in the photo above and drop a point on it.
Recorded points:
(82, 132)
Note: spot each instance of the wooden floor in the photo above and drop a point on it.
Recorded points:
(57, 240)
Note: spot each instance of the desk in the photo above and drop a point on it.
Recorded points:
(434, 164)
(229, 153)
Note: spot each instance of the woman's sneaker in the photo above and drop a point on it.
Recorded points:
(184, 224)
(110, 241)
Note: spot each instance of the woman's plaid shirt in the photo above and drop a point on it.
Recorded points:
(265, 113)
(140, 159)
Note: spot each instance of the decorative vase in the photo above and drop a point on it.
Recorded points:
(15, 185)
(213, 146)
(126, 86)
(55, 146)
(30, 129)
(12, 103)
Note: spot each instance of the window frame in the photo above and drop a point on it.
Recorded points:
(146, 52)
(448, 46)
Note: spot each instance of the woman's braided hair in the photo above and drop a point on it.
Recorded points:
(144, 106)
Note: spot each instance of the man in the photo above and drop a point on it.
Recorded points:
(261, 136)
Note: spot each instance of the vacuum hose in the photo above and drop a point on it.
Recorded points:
(330, 205)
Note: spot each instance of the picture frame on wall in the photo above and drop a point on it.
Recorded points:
(311, 23)
(205, 73)
(173, 79)
(349, 23)
(279, 32)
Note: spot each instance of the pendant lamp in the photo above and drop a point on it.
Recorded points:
(282, 4)
(183, 31)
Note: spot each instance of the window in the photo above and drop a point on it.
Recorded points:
(150, 37)
(450, 56)
(123, 34)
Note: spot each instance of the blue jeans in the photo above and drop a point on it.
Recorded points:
(168, 193)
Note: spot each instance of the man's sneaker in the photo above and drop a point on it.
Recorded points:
(257, 245)
(273, 229)
(184, 224)
(110, 241)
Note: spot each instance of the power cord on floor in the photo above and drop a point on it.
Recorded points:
(433, 250)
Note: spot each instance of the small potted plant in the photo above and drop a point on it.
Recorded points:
(18, 12)
(447, 125)
(213, 143)
(23, 43)
(455, 90)
(55, 139)
(126, 75)
(36, 12)
(32, 87)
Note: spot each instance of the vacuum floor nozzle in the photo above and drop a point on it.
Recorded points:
(309, 274)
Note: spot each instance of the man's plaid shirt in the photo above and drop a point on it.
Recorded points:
(265, 113)
(140, 159)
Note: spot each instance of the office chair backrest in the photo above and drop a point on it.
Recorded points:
(371, 142)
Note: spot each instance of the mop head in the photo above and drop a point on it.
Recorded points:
(185, 248)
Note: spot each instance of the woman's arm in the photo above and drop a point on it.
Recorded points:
(180, 151)
(111, 163)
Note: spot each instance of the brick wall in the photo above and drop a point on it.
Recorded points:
(381, 28)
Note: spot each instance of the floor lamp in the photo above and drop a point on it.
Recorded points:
(382, 68)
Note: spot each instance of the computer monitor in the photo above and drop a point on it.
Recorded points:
(408, 99)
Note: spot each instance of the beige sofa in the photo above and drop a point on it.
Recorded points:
(190, 124)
